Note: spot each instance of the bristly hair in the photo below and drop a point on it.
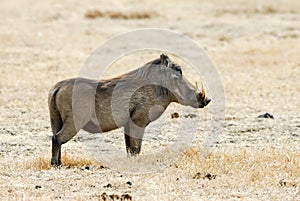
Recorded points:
(141, 72)
(164, 91)
(154, 62)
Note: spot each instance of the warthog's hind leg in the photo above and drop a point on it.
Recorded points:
(64, 135)
(55, 159)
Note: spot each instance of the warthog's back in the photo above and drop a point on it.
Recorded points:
(87, 102)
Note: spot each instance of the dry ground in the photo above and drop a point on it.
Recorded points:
(255, 46)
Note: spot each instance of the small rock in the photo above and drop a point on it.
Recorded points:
(126, 197)
(114, 197)
(287, 183)
(87, 168)
(266, 116)
(38, 187)
(107, 186)
(282, 182)
(190, 116)
(174, 115)
(210, 176)
(129, 183)
(197, 176)
(104, 197)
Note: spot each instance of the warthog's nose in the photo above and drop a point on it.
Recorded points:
(207, 101)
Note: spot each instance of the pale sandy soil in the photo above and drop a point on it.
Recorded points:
(255, 47)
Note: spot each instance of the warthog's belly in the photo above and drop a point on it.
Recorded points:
(93, 127)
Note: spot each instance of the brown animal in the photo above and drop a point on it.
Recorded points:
(132, 101)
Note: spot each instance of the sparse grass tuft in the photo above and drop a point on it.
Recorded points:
(43, 163)
(73, 161)
(246, 166)
(40, 163)
(92, 14)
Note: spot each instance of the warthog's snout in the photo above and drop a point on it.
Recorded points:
(203, 101)
(201, 97)
(207, 100)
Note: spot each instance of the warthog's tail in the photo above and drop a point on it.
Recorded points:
(55, 117)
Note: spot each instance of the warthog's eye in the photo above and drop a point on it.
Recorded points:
(178, 69)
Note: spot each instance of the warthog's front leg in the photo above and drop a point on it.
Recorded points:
(133, 138)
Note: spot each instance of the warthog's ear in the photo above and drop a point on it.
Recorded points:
(164, 59)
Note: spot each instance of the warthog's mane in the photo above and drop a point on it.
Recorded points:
(140, 74)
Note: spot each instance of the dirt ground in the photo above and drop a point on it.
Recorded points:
(255, 48)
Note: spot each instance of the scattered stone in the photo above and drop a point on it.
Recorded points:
(114, 197)
(266, 116)
(287, 183)
(190, 116)
(9, 132)
(197, 176)
(207, 176)
(126, 197)
(38, 187)
(87, 168)
(232, 141)
(129, 183)
(174, 115)
(210, 176)
(282, 182)
(104, 197)
(108, 186)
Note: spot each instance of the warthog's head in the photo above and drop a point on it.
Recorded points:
(182, 91)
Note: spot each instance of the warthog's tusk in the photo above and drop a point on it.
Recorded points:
(203, 95)
(203, 92)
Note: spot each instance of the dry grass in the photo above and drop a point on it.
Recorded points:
(43, 163)
(248, 167)
(261, 10)
(240, 167)
(254, 47)
(92, 14)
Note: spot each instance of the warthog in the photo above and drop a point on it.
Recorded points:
(132, 101)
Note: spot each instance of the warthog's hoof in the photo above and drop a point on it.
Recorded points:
(56, 163)
(133, 151)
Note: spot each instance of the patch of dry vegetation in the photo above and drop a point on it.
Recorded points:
(92, 14)
(43, 163)
(245, 167)
(262, 10)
